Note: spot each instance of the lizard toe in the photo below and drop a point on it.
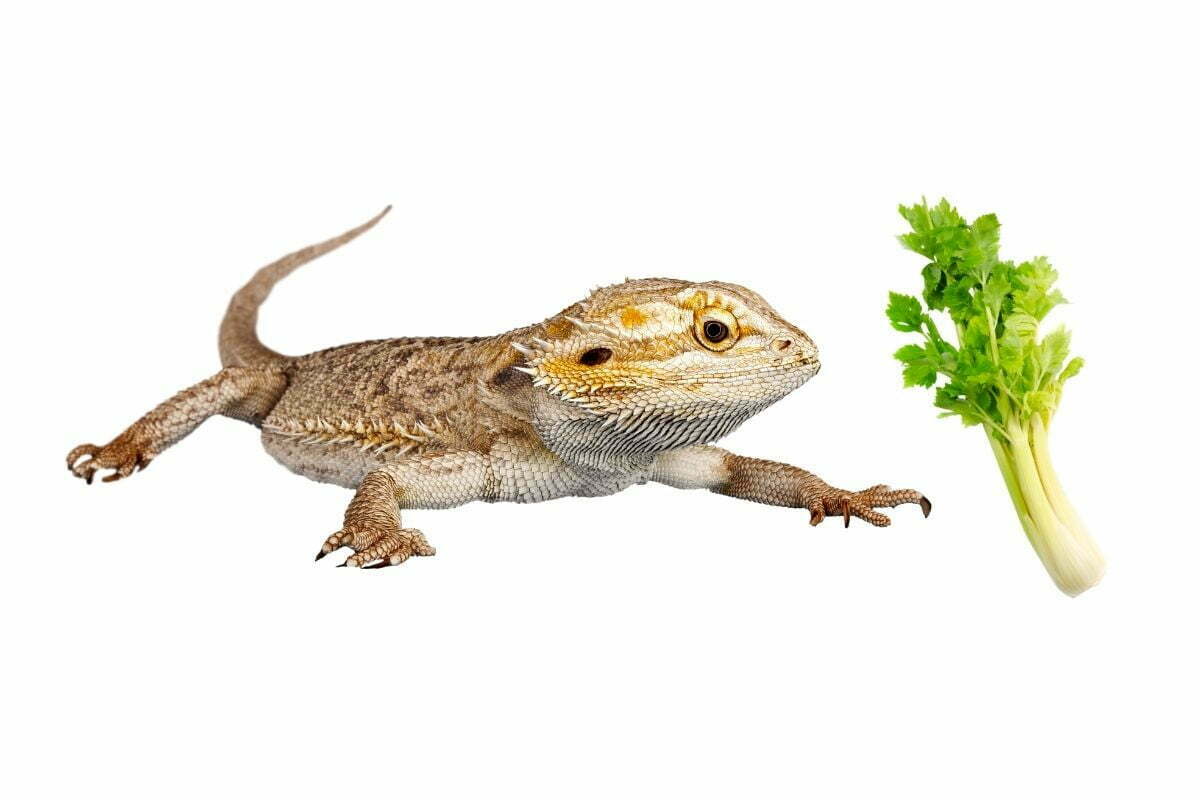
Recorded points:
(122, 455)
(383, 549)
(862, 504)
(868, 514)
(335, 541)
(79, 452)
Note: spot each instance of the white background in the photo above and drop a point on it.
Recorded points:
(170, 636)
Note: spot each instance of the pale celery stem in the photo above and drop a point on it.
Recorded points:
(1062, 506)
(1004, 461)
(1052, 541)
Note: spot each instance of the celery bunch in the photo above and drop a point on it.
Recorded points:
(997, 373)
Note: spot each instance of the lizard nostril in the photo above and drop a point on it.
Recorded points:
(779, 345)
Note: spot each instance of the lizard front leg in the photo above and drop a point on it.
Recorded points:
(777, 484)
(372, 527)
(239, 392)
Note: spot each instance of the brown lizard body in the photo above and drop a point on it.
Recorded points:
(628, 385)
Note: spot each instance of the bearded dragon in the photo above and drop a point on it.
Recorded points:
(626, 386)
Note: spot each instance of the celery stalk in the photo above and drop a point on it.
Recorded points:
(1001, 374)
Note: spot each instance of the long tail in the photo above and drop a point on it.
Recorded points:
(239, 342)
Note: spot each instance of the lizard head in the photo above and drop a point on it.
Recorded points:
(654, 364)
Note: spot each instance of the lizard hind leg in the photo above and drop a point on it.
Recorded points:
(371, 528)
(242, 393)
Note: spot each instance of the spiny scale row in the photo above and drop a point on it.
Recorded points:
(371, 434)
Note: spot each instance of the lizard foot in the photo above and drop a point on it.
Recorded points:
(123, 455)
(863, 504)
(376, 547)
(371, 528)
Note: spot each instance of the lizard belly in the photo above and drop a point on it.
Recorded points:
(328, 463)
(425, 479)
(522, 472)
(513, 471)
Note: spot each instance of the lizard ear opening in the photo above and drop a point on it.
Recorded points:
(595, 357)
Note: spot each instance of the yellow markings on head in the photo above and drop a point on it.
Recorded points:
(558, 328)
(748, 329)
(632, 317)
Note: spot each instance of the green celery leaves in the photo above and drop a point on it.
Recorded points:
(1000, 367)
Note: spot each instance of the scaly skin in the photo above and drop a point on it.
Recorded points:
(628, 385)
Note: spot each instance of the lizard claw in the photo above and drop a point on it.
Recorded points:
(336, 541)
(123, 455)
(375, 549)
(83, 470)
(863, 504)
(80, 452)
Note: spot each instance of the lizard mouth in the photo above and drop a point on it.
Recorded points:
(804, 369)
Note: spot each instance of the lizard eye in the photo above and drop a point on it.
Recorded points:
(595, 357)
(716, 329)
